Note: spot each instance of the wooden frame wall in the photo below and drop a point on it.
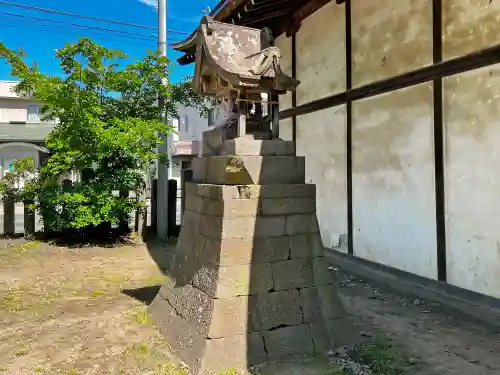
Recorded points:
(433, 73)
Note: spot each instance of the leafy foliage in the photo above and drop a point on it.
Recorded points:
(108, 120)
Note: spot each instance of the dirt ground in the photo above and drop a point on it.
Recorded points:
(83, 312)
(75, 311)
(440, 340)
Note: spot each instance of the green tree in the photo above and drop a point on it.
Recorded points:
(108, 120)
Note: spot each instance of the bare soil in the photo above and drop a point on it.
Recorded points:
(82, 311)
(78, 311)
(439, 340)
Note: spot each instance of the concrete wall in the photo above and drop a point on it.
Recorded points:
(393, 180)
(6, 88)
(393, 171)
(390, 37)
(285, 46)
(472, 154)
(13, 110)
(321, 136)
(196, 125)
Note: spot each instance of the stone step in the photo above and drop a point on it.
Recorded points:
(253, 147)
(228, 192)
(249, 170)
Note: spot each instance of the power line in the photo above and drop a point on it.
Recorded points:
(77, 30)
(78, 25)
(8, 3)
(16, 25)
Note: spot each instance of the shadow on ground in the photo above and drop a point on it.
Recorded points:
(145, 294)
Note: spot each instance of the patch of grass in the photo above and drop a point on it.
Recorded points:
(141, 348)
(114, 279)
(169, 369)
(382, 358)
(3, 369)
(20, 352)
(27, 301)
(12, 300)
(97, 293)
(154, 280)
(27, 246)
(141, 316)
(230, 371)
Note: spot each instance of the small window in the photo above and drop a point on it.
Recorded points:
(34, 113)
(211, 116)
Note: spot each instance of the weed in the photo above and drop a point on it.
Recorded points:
(20, 352)
(73, 372)
(169, 369)
(141, 348)
(142, 317)
(231, 371)
(156, 280)
(381, 357)
(12, 300)
(27, 246)
(115, 279)
(96, 293)
(38, 369)
(3, 369)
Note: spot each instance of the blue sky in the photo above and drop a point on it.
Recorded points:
(39, 38)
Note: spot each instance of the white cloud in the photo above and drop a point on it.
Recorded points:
(150, 3)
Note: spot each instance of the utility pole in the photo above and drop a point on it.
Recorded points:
(162, 201)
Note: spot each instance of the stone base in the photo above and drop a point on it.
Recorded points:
(251, 283)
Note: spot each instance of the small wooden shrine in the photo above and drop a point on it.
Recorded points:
(239, 64)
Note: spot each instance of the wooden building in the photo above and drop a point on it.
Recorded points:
(398, 115)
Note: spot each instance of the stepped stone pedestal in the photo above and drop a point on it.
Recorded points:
(249, 283)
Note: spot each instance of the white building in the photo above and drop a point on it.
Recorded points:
(22, 132)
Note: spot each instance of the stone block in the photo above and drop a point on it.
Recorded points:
(188, 343)
(184, 267)
(320, 303)
(212, 141)
(307, 245)
(193, 305)
(247, 170)
(199, 167)
(270, 249)
(231, 208)
(248, 146)
(244, 250)
(323, 272)
(230, 317)
(293, 274)
(275, 309)
(194, 203)
(333, 333)
(289, 341)
(301, 224)
(191, 188)
(287, 206)
(233, 281)
(236, 352)
(225, 192)
(240, 227)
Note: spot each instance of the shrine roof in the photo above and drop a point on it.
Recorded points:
(243, 57)
(256, 14)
